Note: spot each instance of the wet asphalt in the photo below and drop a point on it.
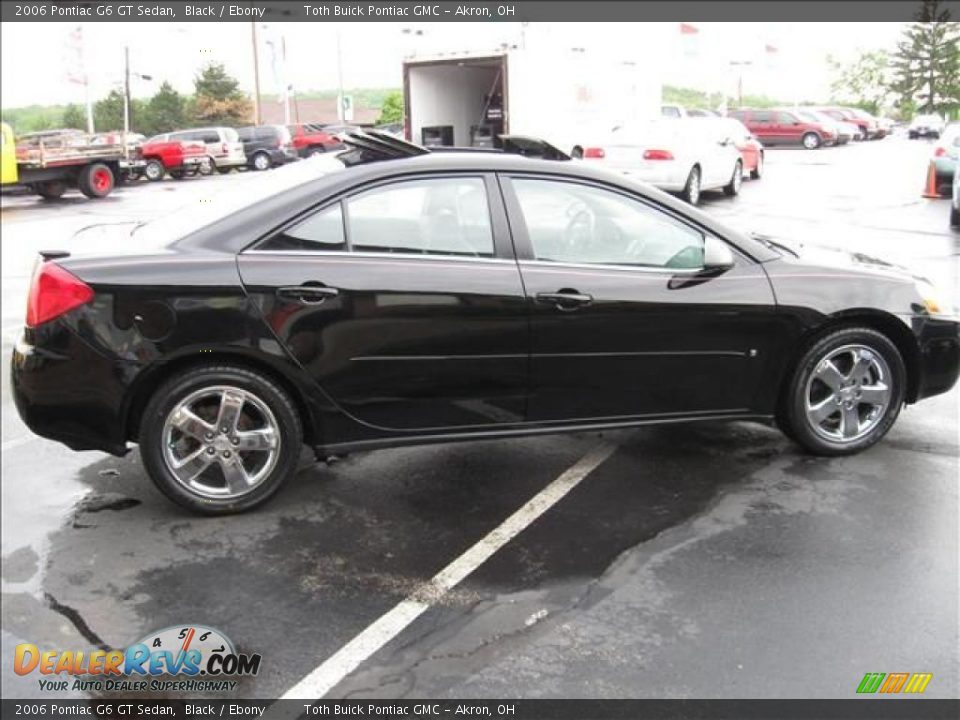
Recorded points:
(708, 560)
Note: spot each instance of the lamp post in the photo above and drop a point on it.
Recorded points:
(126, 92)
(740, 64)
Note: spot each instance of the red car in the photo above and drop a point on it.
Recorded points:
(784, 127)
(177, 157)
(751, 149)
(310, 138)
(869, 127)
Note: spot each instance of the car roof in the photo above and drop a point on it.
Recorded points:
(238, 230)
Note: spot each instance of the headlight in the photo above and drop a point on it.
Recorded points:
(934, 302)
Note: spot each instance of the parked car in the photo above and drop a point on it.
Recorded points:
(750, 149)
(844, 132)
(846, 115)
(311, 138)
(685, 156)
(955, 205)
(869, 125)
(784, 127)
(558, 294)
(674, 112)
(180, 158)
(923, 126)
(946, 154)
(266, 146)
(699, 112)
(223, 146)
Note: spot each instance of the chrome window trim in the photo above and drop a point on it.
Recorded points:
(361, 255)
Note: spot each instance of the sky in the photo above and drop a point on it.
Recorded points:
(371, 53)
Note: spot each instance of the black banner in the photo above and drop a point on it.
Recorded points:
(853, 709)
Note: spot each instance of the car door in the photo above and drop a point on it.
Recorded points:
(762, 123)
(403, 302)
(625, 322)
(790, 129)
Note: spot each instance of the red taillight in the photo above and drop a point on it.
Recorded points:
(53, 292)
(224, 148)
(939, 152)
(595, 153)
(658, 155)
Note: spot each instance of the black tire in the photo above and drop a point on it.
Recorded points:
(912, 135)
(954, 217)
(154, 170)
(224, 170)
(757, 172)
(260, 161)
(206, 167)
(811, 141)
(792, 414)
(178, 174)
(732, 188)
(691, 189)
(50, 189)
(179, 387)
(96, 180)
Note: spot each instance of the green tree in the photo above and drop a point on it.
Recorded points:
(218, 99)
(108, 112)
(927, 62)
(392, 109)
(165, 111)
(74, 117)
(864, 83)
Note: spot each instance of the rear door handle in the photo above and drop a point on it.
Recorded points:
(565, 299)
(307, 294)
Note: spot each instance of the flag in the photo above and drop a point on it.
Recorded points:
(73, 57)
(687, 29)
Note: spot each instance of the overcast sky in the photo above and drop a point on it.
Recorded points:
(372, 52)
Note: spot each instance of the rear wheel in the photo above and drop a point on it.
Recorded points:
(96, 180)
(220, 439)
(732, 188)
(178, 174)
(51, 189)
(691, 190)
(845, 392)
(224, 170)
(207, 166)
(260, 161)
(811, 141)
(757, 172)
(154, 170)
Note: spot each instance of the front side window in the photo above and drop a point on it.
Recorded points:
(581, 224)
(447, 216)
(786, 118)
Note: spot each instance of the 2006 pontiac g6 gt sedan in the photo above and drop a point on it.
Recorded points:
(394, 296)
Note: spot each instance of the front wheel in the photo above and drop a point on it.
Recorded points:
(96, 180)
(811, 141)
(154, 170)
(732, 188)
(691, 190)
(220, 439)
(845, 392)
(261, 161)
(51, 189)
(757, 172)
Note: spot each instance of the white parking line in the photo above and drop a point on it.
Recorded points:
(335, 668)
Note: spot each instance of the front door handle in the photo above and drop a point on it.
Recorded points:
(565, 299)
(307, 294)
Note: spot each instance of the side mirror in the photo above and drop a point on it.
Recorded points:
(716, 255)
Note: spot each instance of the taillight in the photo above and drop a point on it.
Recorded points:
(595, 153)
(939, 152)
(53, 292)
(224, 148)
(658, 155)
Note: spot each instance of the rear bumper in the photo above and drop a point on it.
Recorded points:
(939, 355)
(67, 391)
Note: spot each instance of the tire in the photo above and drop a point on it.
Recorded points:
(207, 167)
(260, 161)
(954, 217)
(912, 136)
(757, 172)
(811, 141)
(178, 174)
(264, 406)
(732, 188)
(828, 378)
(96, 180)
(50, 189)
(691, 190)
(224, 170)
(314, 150)
(154, 170)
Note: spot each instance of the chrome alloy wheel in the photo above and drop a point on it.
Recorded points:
(848, 393)
(221, 442)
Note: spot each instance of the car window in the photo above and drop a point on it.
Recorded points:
(670, 111)
(785, 118)
(573, 223)
(248, 133)
(761, 116)
(320, 231)
(447, 216)
(209, 136)
(229, 135)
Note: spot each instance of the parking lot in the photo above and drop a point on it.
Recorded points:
(708, 560)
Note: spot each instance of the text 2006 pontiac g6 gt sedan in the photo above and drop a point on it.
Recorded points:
(412, 297)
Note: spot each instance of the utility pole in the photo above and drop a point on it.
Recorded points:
(256, 75)
(339, 81)
(126, 97)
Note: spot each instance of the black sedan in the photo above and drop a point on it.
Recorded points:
(395, 296)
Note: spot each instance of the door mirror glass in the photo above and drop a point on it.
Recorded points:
(716, 255)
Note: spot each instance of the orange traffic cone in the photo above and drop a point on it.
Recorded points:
(930, 191)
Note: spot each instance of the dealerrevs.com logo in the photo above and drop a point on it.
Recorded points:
(181, 658)
(893, 683)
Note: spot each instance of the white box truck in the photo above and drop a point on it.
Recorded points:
(565, 97)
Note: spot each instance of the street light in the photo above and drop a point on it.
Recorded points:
(126, 91)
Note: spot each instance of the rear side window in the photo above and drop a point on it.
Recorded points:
(322, 231)
(229, 135)
(448, 216)
(761, 116)
(785, 118)
(246, 134)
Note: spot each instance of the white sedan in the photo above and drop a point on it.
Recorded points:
(684, 156)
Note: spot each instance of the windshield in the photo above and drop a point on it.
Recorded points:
(243, 190)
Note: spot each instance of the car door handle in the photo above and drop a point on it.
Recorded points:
(307, 294)
(565, 299)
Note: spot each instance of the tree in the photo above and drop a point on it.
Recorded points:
(927, 61)
(392, 109)
(165, 111)
(74, 117)
(864, 83)
(218, 99)
(108, 112)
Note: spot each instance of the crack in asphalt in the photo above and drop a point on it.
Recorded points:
(76, 619)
